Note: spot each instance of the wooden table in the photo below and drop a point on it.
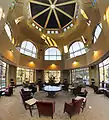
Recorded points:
(30, 103)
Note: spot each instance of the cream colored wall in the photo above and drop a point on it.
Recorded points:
(84, 60)
(5, 6)
(6, 46)
(39, 64)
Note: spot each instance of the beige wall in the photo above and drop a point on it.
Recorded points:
(100, 47)
(5, 47)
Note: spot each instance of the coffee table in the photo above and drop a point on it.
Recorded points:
(52, 90)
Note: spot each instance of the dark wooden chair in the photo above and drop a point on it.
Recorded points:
(46, 108)
(9, 91)
(74, 107)
(25, 96)
(97, 90)
(83, 94)
(77, 90)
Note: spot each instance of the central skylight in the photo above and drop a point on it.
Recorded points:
(52, 14)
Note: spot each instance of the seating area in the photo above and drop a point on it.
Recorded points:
(47, 108)
(16, 108)
(54, 60)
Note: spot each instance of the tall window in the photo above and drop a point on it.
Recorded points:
(28, 49)
(52, 54)
(24, 75)
(49, 74)
(104, 71)
(9, 32)
(77, 49)
(2, 75)
(80, 74)
(97, 32)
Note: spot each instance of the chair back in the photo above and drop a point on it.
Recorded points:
(95, 88)
(46, 108)
(85, 93)
(77, 105)
(10, 89)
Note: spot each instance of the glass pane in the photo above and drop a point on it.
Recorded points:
(83, 51)
(52, 57)
(105, 62)
(95, 39)
(58, 57)
(21, 51)
(29, 46)
(98, 31)
(52, 51)
(77, 53)
(34, 49)
(76, 46)
(23, 45)
(101, 64)
(24, 75)
(46, 57)
(8, 31)
(81, 45)
(33, 55)
(27, 53)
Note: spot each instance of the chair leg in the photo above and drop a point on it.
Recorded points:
(30, 110)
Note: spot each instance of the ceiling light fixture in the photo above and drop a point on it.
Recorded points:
(83, 14)
(52, 6)
(2, 15)
(83, 39)
(65, 49)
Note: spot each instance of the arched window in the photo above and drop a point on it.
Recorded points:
(52, 54)
(28, 48)
(8, 31)
(76, 49)
(97, 32)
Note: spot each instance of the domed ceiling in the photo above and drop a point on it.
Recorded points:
(52, 14)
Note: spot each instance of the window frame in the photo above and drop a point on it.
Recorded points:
(95, 38)
(56, 55)
(24, 50)
(73, 53)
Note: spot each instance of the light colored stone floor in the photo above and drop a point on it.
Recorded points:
(11, 108)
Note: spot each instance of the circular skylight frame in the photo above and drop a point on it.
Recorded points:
(53, 7)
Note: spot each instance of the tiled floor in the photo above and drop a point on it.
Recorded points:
(97, 108)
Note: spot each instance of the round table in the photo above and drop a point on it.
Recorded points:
(52, 90)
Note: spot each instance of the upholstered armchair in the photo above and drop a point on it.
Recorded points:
(74, 107)
(46, 108)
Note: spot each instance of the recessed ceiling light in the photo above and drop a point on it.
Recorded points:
(33, 24)
(48, 31)
(40, 29)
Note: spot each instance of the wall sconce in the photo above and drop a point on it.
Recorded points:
(106, 15)
(19, 19)
(88, 22)
(2, 15)
(75, 62)
(11, 50)
(83, 14)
